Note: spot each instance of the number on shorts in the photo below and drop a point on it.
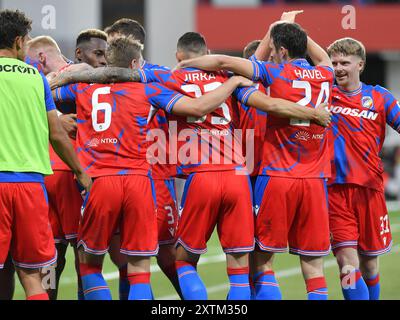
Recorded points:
(170, 214)
(384, 224)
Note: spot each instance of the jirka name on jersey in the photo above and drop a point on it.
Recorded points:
(309, 74)
(199, 76)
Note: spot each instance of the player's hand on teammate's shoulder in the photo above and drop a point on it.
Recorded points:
(68, 122)
(59, 80)
(323, 115)
(290, 16)
(242, 81)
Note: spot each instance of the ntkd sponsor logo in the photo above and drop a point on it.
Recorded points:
(95, 142)
(302, 135)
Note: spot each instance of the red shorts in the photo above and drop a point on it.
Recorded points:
(124, 202)
(65, 202)
(359, 219)
(24, 226)
(292, 211)
(220, 198)
(167, 213)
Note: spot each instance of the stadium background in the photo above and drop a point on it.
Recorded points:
(228, 26)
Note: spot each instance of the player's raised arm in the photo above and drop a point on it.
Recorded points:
(217, 62)
(263, 51)
(317, 54)
(97, 75)
(287, 109)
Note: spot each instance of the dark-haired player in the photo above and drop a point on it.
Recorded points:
(90, 48)
(126, 28)
(295, 157)
(133, 29)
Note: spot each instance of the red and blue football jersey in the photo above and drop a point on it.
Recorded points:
(292, 147)
(112, 124)
(208, 143)
(358, 132)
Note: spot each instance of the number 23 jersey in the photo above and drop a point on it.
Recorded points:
(295, 148)
(208, 143)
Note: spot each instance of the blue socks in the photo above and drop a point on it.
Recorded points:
(124, 285)
(353, 286)
(374, 287)
(189, 281)
(140, 288)
(266, 286)
(239, 284)
(93, 283)
(317, 289)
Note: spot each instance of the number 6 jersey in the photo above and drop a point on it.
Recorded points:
(295, 148)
